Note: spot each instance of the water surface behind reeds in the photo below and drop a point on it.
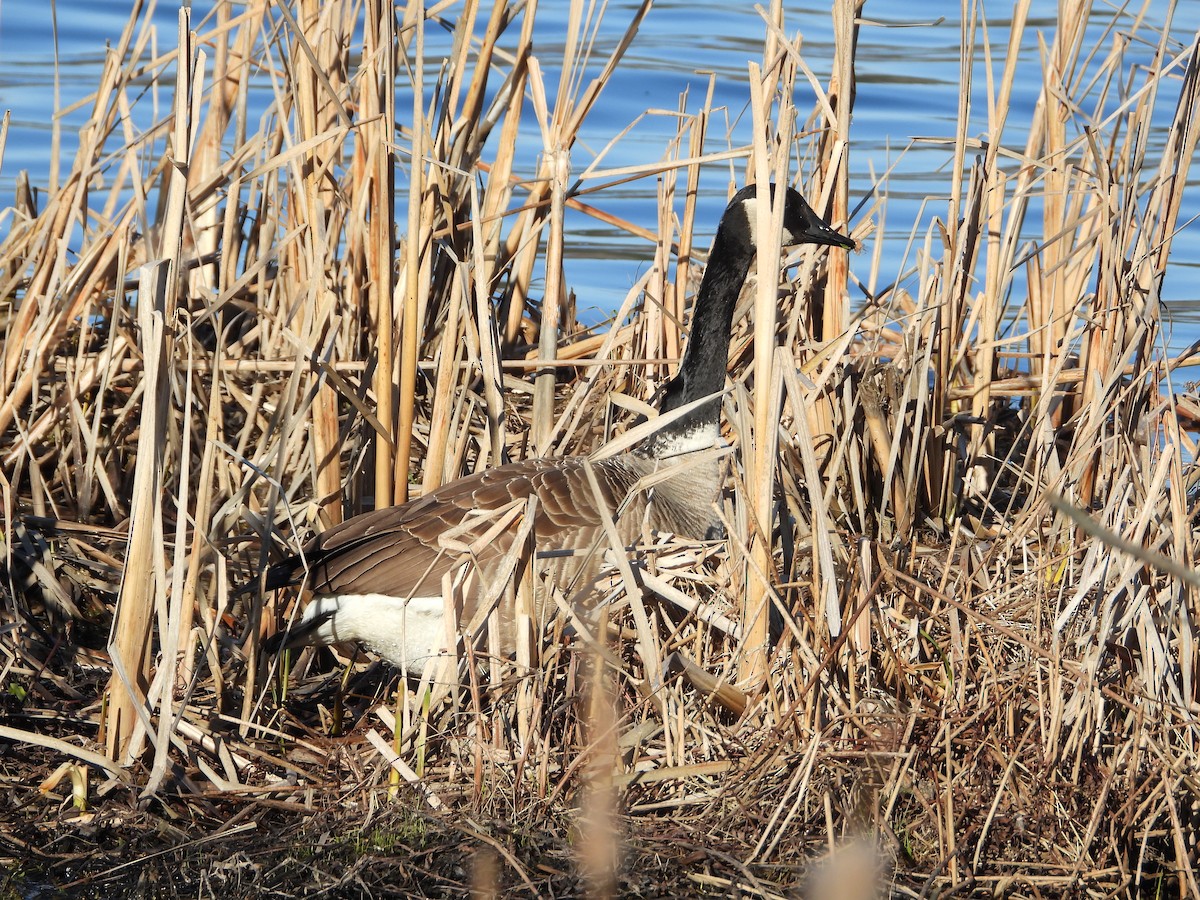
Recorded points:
(908, 87)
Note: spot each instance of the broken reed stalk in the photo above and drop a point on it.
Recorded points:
(759, 454)
(320, 125)
(997, 261)
(143, 587)
(834, 164)
(555, 168)
(960, 248)
(143, 583)
(376, 154)
(414, 19)
(599, 826)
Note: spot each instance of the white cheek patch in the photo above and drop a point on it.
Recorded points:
(750, 205)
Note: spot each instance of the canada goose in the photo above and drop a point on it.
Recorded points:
(377, 577)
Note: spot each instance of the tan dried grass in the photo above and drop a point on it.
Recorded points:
(985, 654)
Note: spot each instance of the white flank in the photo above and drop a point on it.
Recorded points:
(405, 632)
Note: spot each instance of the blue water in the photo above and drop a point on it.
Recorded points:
(904, 115)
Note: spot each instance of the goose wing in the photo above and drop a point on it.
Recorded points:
(402, 550)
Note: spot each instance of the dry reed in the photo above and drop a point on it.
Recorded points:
(954, 621)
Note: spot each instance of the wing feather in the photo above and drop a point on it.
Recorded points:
(402, 549)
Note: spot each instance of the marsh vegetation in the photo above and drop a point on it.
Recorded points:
(962, 493)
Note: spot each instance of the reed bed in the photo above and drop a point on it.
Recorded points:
(948, 647)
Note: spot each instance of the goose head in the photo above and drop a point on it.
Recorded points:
(702, 370)
(801, 224)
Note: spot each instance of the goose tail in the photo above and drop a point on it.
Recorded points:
(301, 634)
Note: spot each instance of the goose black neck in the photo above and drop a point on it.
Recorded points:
(702, 371)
